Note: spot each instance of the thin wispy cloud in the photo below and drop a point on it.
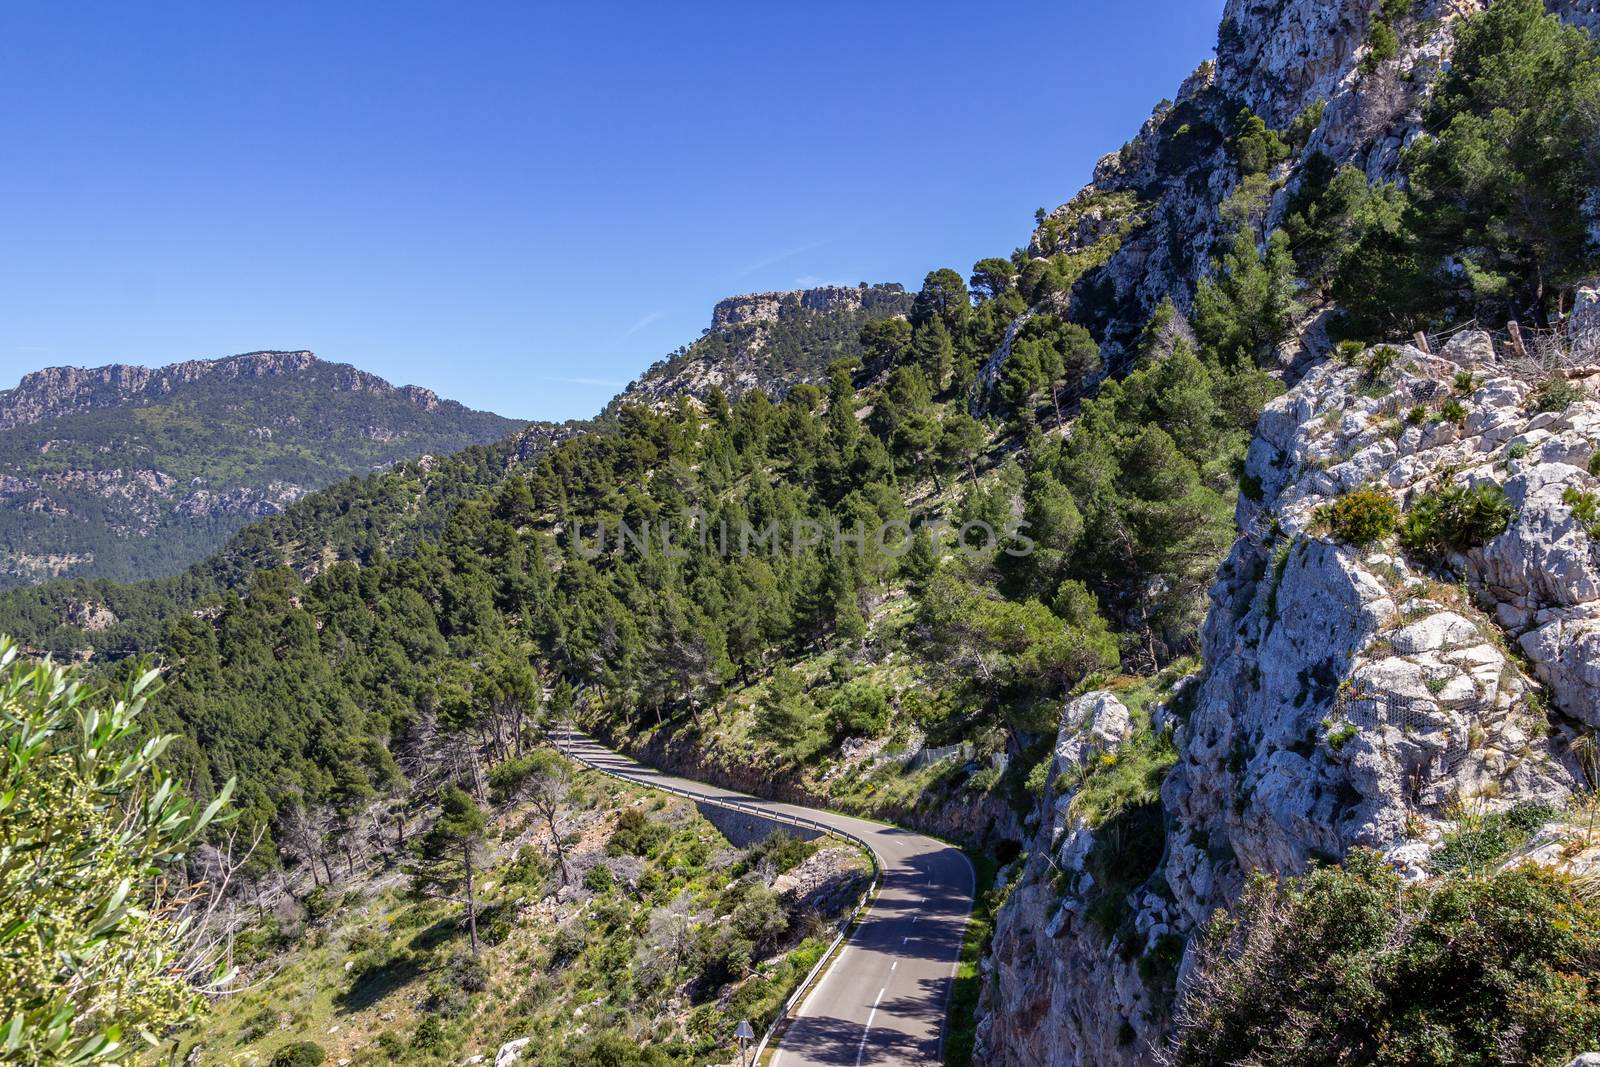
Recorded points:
(781, 256)
(813, 281)
(606, 383)
(654, 316)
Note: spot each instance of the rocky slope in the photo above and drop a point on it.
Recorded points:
(771, 341)
(1149, 220)
(130, 472)
(1352, 696)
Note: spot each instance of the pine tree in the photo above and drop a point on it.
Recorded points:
(934, 352)
(445, 856)
(1246, 306)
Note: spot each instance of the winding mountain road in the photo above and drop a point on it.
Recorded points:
(885, 998)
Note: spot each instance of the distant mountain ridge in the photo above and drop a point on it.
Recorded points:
(131, 472)
(55, 391)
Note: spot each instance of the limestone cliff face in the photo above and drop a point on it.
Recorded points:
(769, 341)
(771, 307)
(1350, 696)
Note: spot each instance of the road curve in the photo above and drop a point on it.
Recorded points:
(885, 998)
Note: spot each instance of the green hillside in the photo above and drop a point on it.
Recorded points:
(125, 474)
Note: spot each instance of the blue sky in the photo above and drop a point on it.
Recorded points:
(523, 205)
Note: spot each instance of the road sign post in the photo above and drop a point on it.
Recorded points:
(744, 1033)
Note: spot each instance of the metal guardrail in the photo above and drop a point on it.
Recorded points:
(781, 1020)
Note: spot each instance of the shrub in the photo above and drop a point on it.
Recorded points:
(530, 867)
(429, 1035)
(1416, 414)
(1341, 736)
(1456, 519)
(1465, 382)
(636, 834)
(1383, 357)
(299, 1054)
(859, 709)
(1454, 411)
(1363, 516)
(598, 879)
(1383, 44)
(495, 922)
(1349, 965)
(1114, 783)
(566, 943)
(1127, 850)
(1256, 147)
(1481, 842)
(1348, 351)
(1585, 508)
(1553, 394)
(783, 850)
(464, 971)
(320, 903)
(984, 780)
(1594, 464)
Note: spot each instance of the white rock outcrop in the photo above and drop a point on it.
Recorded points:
(511, 1052)
(1351, 696)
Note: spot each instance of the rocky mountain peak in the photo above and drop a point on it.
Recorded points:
(771, 307)
(1150, 217)
(770, 341)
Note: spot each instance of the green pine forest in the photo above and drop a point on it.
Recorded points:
(467, 606)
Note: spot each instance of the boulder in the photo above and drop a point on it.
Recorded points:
(511, 1052)
(1470, 348)
(1093, 723)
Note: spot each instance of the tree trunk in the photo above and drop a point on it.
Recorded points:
(472, 902)
(561, 850)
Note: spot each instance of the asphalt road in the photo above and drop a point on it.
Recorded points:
(885, 998)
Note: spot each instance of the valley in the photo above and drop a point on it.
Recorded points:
(1183, 630)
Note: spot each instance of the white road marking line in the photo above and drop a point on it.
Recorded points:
(893, 965)
(875, 1003)
(861, 1049)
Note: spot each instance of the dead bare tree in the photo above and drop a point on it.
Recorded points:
(304, 833)
(544, 779)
